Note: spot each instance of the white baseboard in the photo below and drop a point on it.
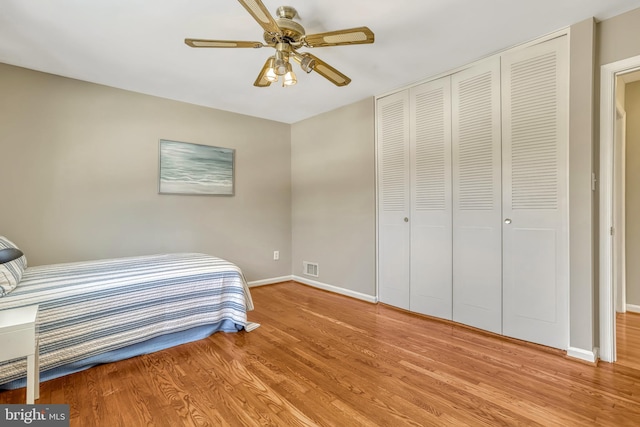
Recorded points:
(633, 308)
(336, 289)
(269, 281)
(586, 355)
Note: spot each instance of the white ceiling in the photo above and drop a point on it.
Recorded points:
(139, 45)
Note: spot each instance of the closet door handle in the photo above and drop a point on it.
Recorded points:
(406, 219)
(507, 221)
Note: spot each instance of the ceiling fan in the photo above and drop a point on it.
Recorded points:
(286, 36)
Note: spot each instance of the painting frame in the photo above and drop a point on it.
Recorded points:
(186, 168)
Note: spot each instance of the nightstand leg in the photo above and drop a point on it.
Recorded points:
(31, 365)
(36, 382)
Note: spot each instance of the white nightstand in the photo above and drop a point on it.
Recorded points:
(19, 339)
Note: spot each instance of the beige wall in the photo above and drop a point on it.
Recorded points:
(582, 324)
(632, 207)
(80, 176)
(333, 196)
(615, 39)
(619, 37)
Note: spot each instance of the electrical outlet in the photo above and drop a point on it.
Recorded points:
(276, 255)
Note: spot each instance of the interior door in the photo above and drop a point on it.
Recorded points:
(535, 178)
(477, 197)
(430, 106)
(393, 199)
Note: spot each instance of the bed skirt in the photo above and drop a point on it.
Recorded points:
(161, 342)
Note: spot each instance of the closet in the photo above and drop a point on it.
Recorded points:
(472, 195)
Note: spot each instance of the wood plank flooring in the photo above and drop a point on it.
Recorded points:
(328, 360)
(628, 339)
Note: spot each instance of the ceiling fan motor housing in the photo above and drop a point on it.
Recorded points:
(292, 31)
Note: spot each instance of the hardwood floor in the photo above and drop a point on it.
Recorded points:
(324, 359)
(628, 339)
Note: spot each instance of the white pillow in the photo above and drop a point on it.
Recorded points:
(10, 272)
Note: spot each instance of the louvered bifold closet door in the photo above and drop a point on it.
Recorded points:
(430, 106)
(535, 229)
(393, 199)
(477, 197)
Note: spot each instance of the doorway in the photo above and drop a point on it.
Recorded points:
(614, 78)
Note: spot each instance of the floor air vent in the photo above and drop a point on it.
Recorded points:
(310, 268)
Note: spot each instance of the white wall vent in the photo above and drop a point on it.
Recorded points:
(310, 268)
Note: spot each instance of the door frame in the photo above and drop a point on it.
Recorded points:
(619, 203)
(608, 74)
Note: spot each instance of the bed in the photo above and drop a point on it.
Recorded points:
(101, 311)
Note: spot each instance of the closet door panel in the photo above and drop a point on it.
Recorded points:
(393, 199)
(535, 116)
(477, 198)
(430, 105)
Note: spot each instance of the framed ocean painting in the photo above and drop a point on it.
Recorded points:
(195, 169)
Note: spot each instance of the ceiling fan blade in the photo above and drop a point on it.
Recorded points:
(221, 43)
(328, 72)
(260, 13)
(360, 35)
(262, 81)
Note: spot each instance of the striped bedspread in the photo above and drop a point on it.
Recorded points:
(94, 307)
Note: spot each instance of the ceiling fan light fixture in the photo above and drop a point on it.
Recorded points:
(280, 67)
(280, 63)
(289, 77)
(271, 75)
(307, 64)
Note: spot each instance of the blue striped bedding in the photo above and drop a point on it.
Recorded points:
(116, 306)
